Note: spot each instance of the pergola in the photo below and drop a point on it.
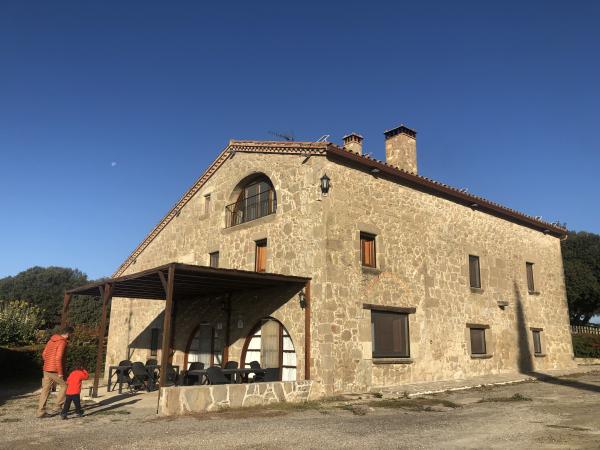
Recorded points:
(175, 282)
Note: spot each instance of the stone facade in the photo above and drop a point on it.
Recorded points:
(422, 246)
(178, 400)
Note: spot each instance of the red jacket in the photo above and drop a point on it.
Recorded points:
(74, 381)
(53, 354)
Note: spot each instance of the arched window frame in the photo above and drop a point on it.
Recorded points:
(256, 198)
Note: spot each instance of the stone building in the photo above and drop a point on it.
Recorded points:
(410, 279)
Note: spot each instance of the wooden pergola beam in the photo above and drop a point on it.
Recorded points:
(106, 297)
(65, 310)
(168, 318)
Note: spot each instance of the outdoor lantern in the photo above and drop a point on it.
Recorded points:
(302, 299)
(325, 184)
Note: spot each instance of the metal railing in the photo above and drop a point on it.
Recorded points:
(250, 208)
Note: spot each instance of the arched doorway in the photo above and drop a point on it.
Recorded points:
(271, 345)
(205, 346)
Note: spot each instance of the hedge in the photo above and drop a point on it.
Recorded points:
(586, 345)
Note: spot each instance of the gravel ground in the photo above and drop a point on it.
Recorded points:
(555, 413)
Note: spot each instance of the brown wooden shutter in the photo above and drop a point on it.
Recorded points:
(390, 336)
(474, 274)
(261, 256)
(477, 341)
(537, 342)
(367, 250)
(530, 283)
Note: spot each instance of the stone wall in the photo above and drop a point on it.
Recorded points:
(423, 242)
(180, 400)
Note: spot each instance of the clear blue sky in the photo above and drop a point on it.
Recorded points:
(505, 97)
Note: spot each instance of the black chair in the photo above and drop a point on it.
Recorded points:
(256, 366)
(215, 376)
(271, 374)
(123, 375)
(193, 379)
(152, 362)
(141, 377)
(230, 365)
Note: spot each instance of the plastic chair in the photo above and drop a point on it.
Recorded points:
(215, 376)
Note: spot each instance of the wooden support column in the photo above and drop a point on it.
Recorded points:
(307, 331)
(168, 318)
(227, 329)
(106, 296)
(65, 310)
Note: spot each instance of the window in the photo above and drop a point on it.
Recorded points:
(530, 284)
(474, 275)
(206, 346)
(207, 204)
(271, 346)
(537, 341)
(154, 341)
(477, 341)
(367, 250)
(389, 334)
(256, 199)
(214, 259)
(260, 264)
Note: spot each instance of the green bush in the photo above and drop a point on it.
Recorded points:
(19, 322)
(586, 345)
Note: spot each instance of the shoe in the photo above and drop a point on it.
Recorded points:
(63, 416)
(42, 415)
(80, 414)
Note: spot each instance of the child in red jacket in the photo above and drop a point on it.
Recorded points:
(73, 390)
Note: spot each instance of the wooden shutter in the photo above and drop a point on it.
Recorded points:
(530, 284)
(474, 274)
(390, 335)
(537, 342)
(214, 259)
(261, 256)
(367, 250)
(477, 341)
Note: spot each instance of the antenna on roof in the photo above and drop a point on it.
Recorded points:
(288, 137)
(323, 138)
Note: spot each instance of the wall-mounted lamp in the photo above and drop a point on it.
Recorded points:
(302, 299)
(325, 184)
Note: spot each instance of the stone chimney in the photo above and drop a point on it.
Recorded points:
(401, 148)
(353, 142)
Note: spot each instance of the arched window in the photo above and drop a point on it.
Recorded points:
(256, 199)
(270, 345)
(205, 346)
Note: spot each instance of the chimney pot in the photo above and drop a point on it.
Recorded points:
(353, 142)
(401, 148)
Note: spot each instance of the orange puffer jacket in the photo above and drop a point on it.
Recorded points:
(53, 354)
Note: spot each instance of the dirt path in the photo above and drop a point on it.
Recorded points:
(557, 413)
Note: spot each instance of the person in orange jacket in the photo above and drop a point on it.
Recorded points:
(74, 390)
(53, 374)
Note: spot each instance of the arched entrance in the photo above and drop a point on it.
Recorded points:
(205, 345)
(271, 345)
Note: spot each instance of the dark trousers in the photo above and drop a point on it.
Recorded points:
(75, 399)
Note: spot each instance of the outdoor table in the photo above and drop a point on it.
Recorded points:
(151, 368)
(238, 374)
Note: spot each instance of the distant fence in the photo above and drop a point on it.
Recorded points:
(585, 329)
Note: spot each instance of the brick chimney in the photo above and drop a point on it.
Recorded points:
(401, 148)
(353, 142)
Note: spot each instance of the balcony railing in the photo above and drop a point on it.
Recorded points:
(250, 208)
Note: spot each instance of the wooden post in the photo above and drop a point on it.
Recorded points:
(106, 296)
(166, 343)
(307, 331)
(65, 311)
(227, 329)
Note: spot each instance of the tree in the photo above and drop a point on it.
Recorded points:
(19, 322)
(44, 287)
(581, 255)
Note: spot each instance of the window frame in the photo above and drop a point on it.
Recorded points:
(211, 256)
(537, 344)
(402, 354)
(474, 283)
(483, 334)
(260, 256)
(529, 274)
(364, 238)
(154, 341)
(207, 202)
